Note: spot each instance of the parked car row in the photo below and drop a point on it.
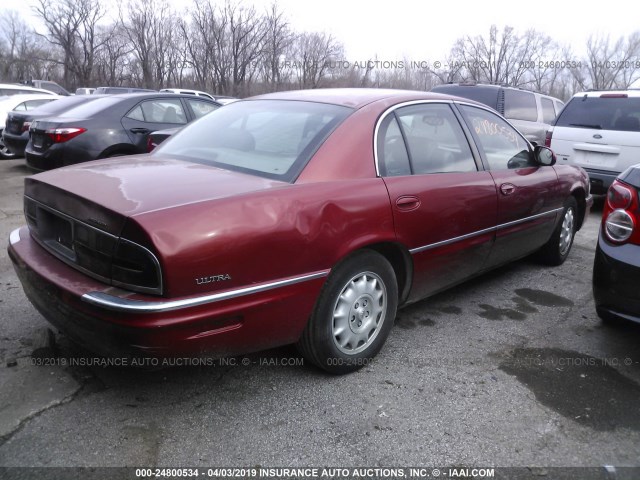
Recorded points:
(19, 103)
(82, 128)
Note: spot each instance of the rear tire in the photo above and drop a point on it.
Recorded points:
(5, 153)
(557, 249)
(353, 314)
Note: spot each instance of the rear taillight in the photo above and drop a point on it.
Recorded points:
(61, 135)
(25, 126)
(620, 215)
(547, 138)
(150, 144)
(135, 268)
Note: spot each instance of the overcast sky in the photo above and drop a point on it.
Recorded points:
(422, 30)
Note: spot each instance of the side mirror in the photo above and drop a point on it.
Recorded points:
(544, 156)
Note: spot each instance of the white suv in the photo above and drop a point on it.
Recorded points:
(599, 131)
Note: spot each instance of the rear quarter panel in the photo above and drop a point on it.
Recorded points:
(266, 236)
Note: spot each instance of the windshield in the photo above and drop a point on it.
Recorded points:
(602, 113)
(269, 138)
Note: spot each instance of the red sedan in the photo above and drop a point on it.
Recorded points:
(301, 217)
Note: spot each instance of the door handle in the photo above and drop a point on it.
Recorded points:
(507, 188)
(140, 130)
(407, 203)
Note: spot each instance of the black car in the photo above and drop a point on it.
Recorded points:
(16, 133)
(111, 126)
(616, 270)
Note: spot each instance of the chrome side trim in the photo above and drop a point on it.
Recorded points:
(452, 240)
(119, 304)
(14, 237)
(481, 232)
(533, 217)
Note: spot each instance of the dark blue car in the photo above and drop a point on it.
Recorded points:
(616, 271)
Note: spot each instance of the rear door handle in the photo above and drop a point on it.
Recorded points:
(407, 203)
(140, 130)
(507, 188)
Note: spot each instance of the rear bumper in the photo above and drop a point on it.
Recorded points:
(616, 276)
(229, 325)
(15, 143)
(49, 159)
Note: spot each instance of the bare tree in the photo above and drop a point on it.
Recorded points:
(23, 54)
(314, 54)
(277, 42)
(72, 26)
(114, 58)
(150, 26)
(608, 65)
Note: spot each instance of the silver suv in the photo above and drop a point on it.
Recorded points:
(530, 112)
(599, 131)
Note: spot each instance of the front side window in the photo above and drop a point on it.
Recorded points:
(269, 138)
(520, 105)
(503, 147)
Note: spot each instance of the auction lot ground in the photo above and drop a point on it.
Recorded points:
(511, 369)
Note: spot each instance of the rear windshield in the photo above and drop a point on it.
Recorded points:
(89, 109)
(269, 138)
(63, 104)
(602, 113)
(488, 96)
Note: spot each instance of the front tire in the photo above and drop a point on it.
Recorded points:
(557, 249)
(353, 314)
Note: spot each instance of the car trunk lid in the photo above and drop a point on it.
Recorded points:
(104, 193)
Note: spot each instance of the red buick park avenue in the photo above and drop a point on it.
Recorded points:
(304, 217)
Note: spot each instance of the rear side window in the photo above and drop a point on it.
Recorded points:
(435, 140)
(519, 105)
(30, 105)
(548, 112)
(159, 111)
(392, 154)
(602, 113)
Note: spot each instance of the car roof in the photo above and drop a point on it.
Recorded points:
(23, 97)
(598, 93)
(14, 86)
(353, 97)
